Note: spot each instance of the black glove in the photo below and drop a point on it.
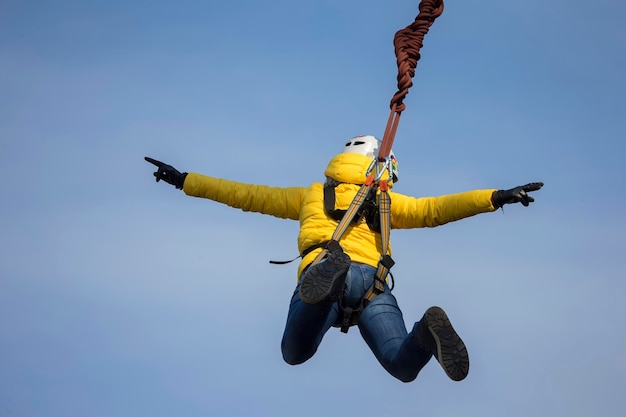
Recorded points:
(515, 195)
(168, 173)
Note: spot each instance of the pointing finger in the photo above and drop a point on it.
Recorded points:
(154, 161)
(533, 186)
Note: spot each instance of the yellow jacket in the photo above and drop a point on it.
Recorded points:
(316, 226)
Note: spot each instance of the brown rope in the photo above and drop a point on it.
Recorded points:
(407, 43)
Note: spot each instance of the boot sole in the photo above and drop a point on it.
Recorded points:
(451, 351)
(322, 280)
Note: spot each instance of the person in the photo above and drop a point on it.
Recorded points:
(345, 274)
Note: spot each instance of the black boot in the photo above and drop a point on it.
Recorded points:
(435, 334)
(324, 281)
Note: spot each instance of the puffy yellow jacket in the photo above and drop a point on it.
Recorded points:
(316, 226)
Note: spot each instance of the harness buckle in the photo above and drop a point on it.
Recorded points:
(346, 320)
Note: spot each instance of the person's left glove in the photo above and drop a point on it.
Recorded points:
(168, 173)
(515, 195)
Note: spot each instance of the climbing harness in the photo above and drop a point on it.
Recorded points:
(350, 314)
(407, 44)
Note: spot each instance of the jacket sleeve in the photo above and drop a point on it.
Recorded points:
(279, 202)
(410, 212)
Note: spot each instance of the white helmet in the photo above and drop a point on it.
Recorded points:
(368, 145)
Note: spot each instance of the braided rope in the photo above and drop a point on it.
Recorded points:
(407, 43)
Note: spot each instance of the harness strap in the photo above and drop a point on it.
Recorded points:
(385, 264)
(350, 314)
(330, 245)
(348, 317)
(351, 212)
(329, 205)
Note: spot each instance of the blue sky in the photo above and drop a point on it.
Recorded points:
(123, 297)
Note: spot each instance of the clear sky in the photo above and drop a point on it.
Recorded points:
(123, 297)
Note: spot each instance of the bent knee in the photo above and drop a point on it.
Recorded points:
(406, 377)
(295, 359)
(296, 356)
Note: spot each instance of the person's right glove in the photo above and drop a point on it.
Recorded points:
(168, 173)
(515, 195)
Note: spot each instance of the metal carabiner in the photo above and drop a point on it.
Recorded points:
(380, 167)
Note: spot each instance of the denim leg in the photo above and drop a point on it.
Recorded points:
(383, 329)
(306, 326)
(381, 325)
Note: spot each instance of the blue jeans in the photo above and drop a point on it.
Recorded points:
(381, 325)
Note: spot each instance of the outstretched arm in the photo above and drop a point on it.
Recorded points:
(410, 212)
(275, 201)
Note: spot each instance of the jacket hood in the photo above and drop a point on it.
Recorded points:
(350, 168)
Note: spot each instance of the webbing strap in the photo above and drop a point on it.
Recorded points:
(353, 209)
(384, 207)
(350, 314)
